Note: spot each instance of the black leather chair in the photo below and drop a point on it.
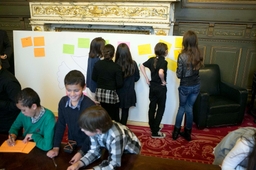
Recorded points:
(218, 103)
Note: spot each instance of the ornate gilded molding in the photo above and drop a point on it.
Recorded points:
(158, 15)
(82, 11)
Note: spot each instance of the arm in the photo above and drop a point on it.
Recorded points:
(95, 73)
(143, 70)
(136, 73)
(12, 89)
(115, 154)
(17, 124)
(93, 154)
(179, 68)
(161, 75)
(6, 46)
(237, 154)
(44, 141)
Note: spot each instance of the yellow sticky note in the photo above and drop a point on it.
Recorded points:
(144, 49)
(172, 65)
(39, 52)
(38, 41)
(169, 45)
(176, 53)
(150, 56)
(26, 42)
(178, 42)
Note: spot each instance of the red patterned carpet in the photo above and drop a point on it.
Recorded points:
(199, 149)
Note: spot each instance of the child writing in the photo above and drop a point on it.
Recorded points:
(126, 94)
(70, 108)
(37, 122)
(237, 150)
(103, 132)
(95, 54)
(108, 76)
(157, 87)
(189, 63)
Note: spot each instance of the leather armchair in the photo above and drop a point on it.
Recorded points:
(218, 103)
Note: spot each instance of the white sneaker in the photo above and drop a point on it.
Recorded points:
(158, 135)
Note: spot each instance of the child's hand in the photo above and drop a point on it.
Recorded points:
(75, 158)
(164, 83)
(54, 152)
(75, 166)
(27, 138)
(11, 140)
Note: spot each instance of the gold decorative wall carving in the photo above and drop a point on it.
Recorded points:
(157, 15)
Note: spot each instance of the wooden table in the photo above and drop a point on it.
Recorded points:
(37, 160)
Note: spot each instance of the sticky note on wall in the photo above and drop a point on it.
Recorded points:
(38, 41)
(176, 53)
(144, 49)
(83, 42)
(26, 42)
(172, 65)
(178, 42)
(39, 52)
(68, 49)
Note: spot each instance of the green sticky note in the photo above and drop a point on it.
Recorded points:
(83, 42)
(106, 42)
(68, 49)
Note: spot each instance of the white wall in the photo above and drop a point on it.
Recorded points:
(45, 72)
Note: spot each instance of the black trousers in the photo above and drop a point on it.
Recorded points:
(113, 110)
(157, 97)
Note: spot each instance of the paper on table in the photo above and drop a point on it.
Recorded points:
(18, 147)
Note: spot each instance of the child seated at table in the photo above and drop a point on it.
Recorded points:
(105, 133)
(70, 108)
(37, 122)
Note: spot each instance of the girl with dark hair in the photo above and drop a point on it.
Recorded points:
(189, 63)
(108, 76)
(157, 87)
(95, 54)
(126, 94)
(237, 150)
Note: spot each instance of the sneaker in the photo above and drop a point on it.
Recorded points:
(158, 135)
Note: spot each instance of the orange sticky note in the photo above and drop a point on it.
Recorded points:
(38, 41)
(26, 42)
(18, 147)
(39, 52)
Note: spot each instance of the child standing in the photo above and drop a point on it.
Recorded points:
(126, 94)
(108, 76)
(189, 63)
(157, 87)
(37, 122)
(95, 54)
(116, 138)
(70, 108)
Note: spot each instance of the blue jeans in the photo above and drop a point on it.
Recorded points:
(187, 96)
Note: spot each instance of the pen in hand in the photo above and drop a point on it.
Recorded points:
(12, 140)
(53, 160)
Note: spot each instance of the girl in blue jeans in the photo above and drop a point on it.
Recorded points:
(189, 63)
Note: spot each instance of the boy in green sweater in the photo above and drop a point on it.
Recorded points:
(37, 122)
